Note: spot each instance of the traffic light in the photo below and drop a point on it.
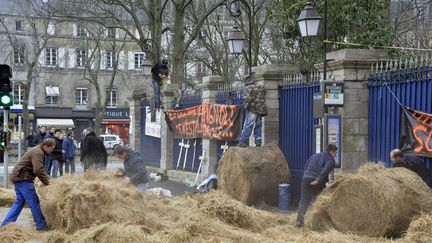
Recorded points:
(3, 139)
(6, 98)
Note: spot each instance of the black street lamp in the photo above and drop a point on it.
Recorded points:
(146, 47)
(309, 22)
(235, 37)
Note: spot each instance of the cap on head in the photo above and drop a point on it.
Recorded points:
(249, 80)
(165, 62)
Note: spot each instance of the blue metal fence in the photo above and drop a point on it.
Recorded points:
(296, 128)
(413, 88)
(187, 102)
(228, 98)
(150, 146)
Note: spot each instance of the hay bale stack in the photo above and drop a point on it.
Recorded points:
(252, 174)
(7, 197)
(420, 229)
(375, 202)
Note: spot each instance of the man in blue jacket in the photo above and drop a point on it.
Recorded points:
(409, 161)
(134, 168)
(69, 155)
(315, 177)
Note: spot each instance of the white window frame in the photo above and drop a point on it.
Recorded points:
(52, 94)
(18, 92)
(109, 59)
(51, 56)
(139, 58)
(81, 31)
(112, 98)
(18, 55)
(21, 27)
(82, 99)
(81, 57)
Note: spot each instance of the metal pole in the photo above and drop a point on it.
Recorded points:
(20, 138)
(325, 38)
(5, 153)
(250, 38)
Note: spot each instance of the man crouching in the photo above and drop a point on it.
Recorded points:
(134, 168)
(23, 175)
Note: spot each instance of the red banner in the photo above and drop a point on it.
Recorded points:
(416, 132)
(211, 121)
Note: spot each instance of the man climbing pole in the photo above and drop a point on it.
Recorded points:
(159, 74)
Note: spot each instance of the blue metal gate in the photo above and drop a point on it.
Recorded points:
(296, 124)
(150, 146)
(413, 88)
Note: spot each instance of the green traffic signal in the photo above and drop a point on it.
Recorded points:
(6, 99)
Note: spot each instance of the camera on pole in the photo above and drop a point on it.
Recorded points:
(6, 99)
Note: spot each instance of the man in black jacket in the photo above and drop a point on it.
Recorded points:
(93, 152)
(159, 73)
(409, 161)
(315, 177)
(57, 153)
(134, 168)
(40, 136)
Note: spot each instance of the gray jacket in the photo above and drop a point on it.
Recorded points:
(319, 166)
(135, 168)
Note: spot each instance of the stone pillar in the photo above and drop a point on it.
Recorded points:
(135, 113)
(209, 89)
(352, 66)
(271, 75)
(168, 92)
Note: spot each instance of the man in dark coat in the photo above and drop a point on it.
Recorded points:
(315, 177)
(57, 153)
(69, 155)
(48, 160)
(25, 171)
(134, 168)
(93, 152)
(409, 161)
(40, 136)
(159, 73)
(254, 103)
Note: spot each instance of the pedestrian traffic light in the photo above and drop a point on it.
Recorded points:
(5, 85)
(3, 139)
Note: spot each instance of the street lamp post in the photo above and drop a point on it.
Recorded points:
(235, 37)
(309, 22)
(146, 47)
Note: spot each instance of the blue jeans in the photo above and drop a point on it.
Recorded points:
(55, 168)
(156, 91)
(308, 196)
(48, 165)
(25, 192)
(251, 120)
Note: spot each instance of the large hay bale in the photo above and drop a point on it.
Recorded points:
(7, 197)
(73, 203)
(252, 174)
(375, 202)
(420, 229)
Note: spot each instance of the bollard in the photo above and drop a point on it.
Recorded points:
(284, 197)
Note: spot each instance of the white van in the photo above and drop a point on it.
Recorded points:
(110, 141)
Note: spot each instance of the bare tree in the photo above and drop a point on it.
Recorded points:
(27, 43)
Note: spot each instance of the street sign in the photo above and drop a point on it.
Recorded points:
(333, 93)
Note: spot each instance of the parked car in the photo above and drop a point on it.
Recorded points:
(110, 141)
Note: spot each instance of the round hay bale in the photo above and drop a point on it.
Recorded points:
(420, 229)
(252, 174)
(375, 202)
(7, 197)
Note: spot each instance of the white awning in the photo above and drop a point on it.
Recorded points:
(52, 91)
(58, 123)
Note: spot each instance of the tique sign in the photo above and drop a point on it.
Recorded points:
(211, 121)
(416, 132)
